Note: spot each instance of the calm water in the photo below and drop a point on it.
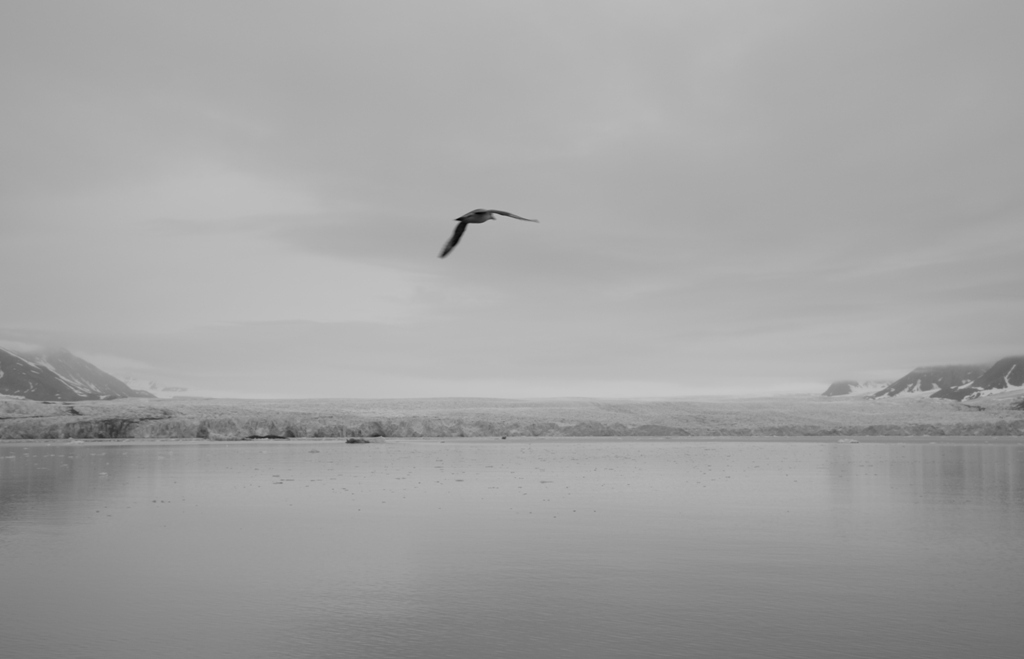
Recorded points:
(476, 549)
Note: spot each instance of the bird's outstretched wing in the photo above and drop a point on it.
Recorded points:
(454, 240)
(513, 215)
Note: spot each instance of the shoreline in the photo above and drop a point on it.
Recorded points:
(1008, 440)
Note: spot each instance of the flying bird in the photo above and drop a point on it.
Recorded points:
(479, 216)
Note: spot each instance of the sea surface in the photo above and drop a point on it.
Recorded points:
(490, 548)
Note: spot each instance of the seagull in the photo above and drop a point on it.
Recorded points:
(478, 216)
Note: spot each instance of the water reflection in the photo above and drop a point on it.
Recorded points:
(470, 549)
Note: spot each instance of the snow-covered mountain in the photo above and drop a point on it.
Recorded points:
(958, 382)
(1005, 375)
(930, 380)
(855, 387)
(56, 374)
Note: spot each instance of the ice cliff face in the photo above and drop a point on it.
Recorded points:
(57, 375)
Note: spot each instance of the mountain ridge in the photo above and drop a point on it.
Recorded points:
(55, 374)
(1007, 374)
(934, 379)
(957, 382)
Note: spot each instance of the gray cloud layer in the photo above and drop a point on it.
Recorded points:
(250, 197)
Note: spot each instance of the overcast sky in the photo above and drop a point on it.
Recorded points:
(250, 197)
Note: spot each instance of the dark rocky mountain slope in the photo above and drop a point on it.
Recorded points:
(1005, 374)
(934, 379)
(57, 375)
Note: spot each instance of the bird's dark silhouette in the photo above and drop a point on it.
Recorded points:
(478, 216)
